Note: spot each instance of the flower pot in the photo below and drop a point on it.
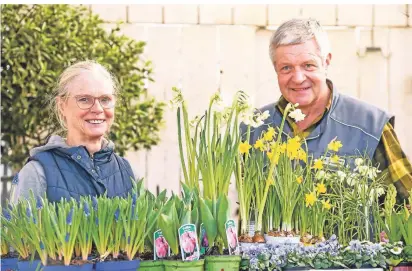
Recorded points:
(181, 265)
(151, 266)
(9, 264)
(272, 240)
(82, 267)
(118, 265)
(403, 267)
(29, 265)
(223, 262)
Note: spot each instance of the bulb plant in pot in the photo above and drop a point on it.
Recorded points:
(177, 214)
(8, 258)
(274, 160)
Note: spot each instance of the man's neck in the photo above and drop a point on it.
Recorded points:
(313, 111)
(92, 144)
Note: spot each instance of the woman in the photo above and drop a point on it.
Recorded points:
(83, 163)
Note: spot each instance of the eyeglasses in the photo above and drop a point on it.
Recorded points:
(87, 101)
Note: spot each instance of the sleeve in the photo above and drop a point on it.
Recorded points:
(394, 162)
(31, 177)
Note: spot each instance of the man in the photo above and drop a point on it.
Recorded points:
(300, 53)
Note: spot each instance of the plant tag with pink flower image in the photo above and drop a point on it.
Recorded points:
(231, 235)
(161, 247)
(204, 243)
(189, 245)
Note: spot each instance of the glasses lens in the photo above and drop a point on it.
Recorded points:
(107, 101)
(85, 101)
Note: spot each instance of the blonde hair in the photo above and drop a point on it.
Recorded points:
(68, 76)
(297, 31)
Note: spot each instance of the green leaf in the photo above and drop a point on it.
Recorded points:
(222, 216)
(166, 224)
(209, 222)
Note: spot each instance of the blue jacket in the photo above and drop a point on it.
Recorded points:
(71, 173)
(358, 125)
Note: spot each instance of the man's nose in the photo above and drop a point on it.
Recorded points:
(298, 77)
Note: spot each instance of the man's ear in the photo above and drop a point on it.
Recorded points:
(328, 60)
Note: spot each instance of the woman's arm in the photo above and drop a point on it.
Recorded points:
(30, 177)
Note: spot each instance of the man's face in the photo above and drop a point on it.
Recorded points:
(302, 73)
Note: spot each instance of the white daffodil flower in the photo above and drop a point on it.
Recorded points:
(358, 162)
(320, 175)
(396, 250)
(297, 115)
(341, 175)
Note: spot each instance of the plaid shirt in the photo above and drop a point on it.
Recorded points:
(388, 155)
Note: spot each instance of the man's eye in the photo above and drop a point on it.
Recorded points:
(285, 68)
(309, 66)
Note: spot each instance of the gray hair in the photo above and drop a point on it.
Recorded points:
(69, 75)
(297, 31)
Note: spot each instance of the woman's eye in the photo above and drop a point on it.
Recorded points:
(83, 99)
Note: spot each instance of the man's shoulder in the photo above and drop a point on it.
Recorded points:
(354, 106)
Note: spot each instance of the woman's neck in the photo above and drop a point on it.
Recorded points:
(92, 144)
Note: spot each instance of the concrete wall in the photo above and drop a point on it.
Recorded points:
(190, 44)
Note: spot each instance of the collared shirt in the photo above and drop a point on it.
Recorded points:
(389, 155)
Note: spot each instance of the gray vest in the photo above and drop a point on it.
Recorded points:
(358, 125)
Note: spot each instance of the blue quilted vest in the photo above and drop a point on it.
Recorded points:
(358, 125)
(71, 173)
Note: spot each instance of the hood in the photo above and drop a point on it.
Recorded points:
(56, 141)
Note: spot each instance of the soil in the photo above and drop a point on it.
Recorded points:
(75, 261)
(10, 255)
(214, 251)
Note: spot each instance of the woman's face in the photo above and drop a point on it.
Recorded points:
(89, 108)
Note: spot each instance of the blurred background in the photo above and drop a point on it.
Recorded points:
(206, 48)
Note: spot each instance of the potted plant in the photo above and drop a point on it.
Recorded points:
(171, 222)
(8, 258)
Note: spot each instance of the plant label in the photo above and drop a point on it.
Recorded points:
(189, 245)
(161, 247)
(231, 235)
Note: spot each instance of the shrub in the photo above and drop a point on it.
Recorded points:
(38, 43)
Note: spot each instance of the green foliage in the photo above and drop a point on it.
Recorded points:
(38, 43)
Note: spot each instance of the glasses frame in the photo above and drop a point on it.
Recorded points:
(94, 101)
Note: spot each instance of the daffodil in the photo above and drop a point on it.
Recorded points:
(299, 179)
(292, 147)
(320, 188)
(326, 205)
(335, 159)
(297, 115)
(259, 145)
(301, 155)
(244, 147)
(310, 199)
(270, 133)
(317, 164)
(334, 145)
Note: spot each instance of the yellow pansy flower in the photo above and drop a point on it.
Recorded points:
(259, 144)
(326, 204)
(299, 179)
(244, 147)
(317, 164)
(335, 145)
(335, 159)
(310, 199)
(270, 133)
(320, 188)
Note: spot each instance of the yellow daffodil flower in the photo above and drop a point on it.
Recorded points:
(326, 204)
(268, 136)
(259, 144)
(244, 147)
(320, 188)
(302, 155)
(310, 199)
(335, 159)
(334, 145)
(317, 164)
(299, 179)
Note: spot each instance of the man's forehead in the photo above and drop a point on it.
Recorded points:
(297, 56)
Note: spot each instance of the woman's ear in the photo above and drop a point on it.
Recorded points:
(60, 102)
